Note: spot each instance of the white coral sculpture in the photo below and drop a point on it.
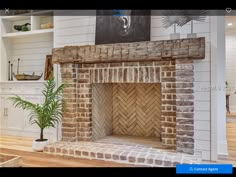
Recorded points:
(173, 17)
(193, 15)
(181, 17)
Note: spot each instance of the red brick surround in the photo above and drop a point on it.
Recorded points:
(167, 62)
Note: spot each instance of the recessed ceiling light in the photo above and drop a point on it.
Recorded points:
(230, 24)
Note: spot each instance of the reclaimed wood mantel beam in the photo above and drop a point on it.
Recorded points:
(191, 48)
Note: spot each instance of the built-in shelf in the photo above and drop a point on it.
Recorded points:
(27, 33)
(16, 18)
(17, 82)
(31, 46)
(43, 13)
(28, 15)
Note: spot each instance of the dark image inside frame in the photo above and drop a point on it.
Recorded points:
(120, 26)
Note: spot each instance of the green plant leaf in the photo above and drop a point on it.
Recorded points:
(49, 113)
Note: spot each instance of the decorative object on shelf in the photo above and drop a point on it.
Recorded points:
(182, 17)
(48, 69)
(197, 15)
(11, 72)
(24, 27)
(173, 17)
(18, 12)
(45, 115)
(46, 25)
(23, 77)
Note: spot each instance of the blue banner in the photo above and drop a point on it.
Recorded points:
(204, 169)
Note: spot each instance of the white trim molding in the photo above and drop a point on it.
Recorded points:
(218, 100)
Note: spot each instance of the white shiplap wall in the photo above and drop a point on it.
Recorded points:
(32, 52)
(231, 65)
(74, 30)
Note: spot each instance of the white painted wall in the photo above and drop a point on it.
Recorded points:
(218, 100)
(231, 66)
(72, 30)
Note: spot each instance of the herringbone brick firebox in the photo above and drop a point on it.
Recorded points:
(139, 89)
(126, 109)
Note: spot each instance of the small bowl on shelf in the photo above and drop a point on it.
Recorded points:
(46, 26)
(24, 77)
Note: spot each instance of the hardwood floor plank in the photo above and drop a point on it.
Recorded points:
(22, 146)
(231, 141)
(39, 159)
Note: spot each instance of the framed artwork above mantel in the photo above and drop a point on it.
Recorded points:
(122, 26)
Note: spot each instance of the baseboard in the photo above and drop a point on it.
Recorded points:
(222, 150)
(222, 156)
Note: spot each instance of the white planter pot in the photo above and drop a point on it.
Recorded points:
(39, 145)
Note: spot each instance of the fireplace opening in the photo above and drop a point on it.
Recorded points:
(127, 113)
(168, 63)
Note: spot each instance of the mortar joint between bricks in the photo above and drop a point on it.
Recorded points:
(145, 158)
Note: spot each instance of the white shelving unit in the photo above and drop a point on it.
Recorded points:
(34, 18)
(31, 47)
(27, 33)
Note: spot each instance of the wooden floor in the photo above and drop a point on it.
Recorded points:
(232, 114)
(231, 135)
(22, 147)
(39, 159)
(231, 140)
(17, 143)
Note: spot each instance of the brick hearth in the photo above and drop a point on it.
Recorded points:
(130, 154)
(167, 63)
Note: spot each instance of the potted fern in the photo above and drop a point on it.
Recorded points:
(45, 115)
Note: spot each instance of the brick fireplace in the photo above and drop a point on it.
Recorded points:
(138, 89)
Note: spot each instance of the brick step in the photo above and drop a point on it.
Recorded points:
(128, 154)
